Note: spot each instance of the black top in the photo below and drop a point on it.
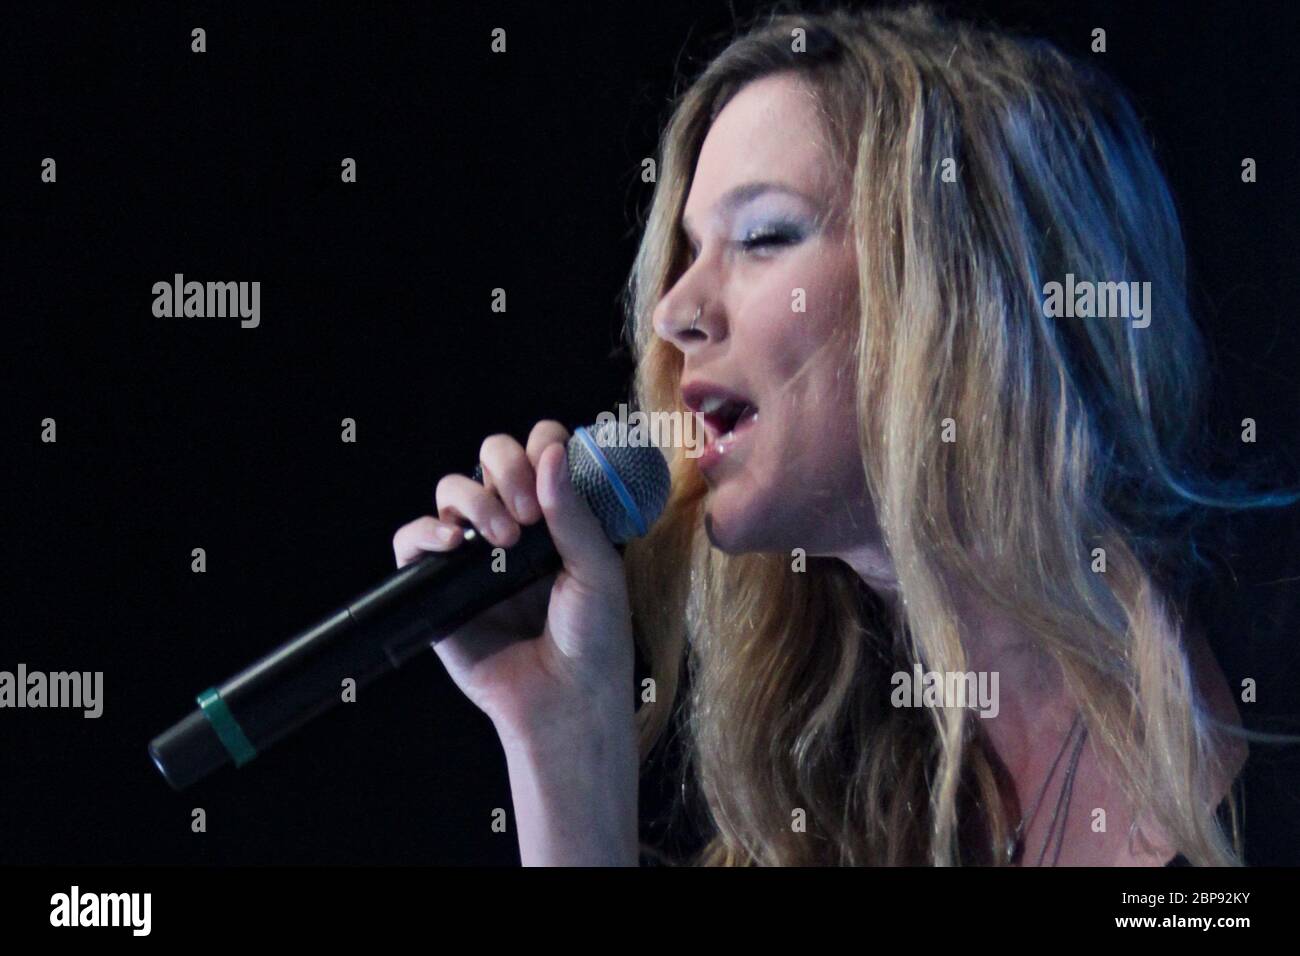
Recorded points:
(1179, 860)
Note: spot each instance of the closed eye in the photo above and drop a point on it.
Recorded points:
(769, 238)
(758, 239)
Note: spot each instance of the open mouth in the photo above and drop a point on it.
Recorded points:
(724, 417)
(724, 413)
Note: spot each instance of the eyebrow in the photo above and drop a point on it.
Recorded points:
(738, 195)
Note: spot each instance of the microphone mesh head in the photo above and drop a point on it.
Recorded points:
(642, 472)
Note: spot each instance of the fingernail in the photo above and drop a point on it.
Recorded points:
(524, 506)
(445, 532)
(501, 528)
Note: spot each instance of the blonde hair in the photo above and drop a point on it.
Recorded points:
(1074, 435)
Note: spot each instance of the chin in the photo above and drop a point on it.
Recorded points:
(719, 537)
(739, 530)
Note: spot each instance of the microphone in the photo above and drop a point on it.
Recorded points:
(624, 484)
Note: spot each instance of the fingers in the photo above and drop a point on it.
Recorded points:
(424, 534)
(460, 499)
(507, 498)
(587, 554)
(545, 433)
(508, 471)
(520, 486)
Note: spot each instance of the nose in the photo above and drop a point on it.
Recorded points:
(678, 328)
(688, 320)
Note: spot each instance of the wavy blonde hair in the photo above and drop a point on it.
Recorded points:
(1074, 435)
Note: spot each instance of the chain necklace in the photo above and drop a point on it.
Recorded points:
(1016, 844)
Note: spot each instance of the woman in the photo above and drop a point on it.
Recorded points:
(912, 469)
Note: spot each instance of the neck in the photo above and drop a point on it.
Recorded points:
(1032, 701)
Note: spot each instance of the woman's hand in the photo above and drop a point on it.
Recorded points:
(551, 666)
(559, 651)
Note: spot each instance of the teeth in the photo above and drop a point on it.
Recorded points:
(712, 404)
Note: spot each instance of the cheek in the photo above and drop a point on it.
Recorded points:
(803, 319)
(810, 384)
(813, 464)
(817, 464)
(806, 466)
(806, 462)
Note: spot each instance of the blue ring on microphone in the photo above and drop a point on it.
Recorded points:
(227, 728)
(615, 480)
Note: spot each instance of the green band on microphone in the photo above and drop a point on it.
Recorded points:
(228, 730)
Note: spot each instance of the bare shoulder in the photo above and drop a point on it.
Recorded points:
(1152, 847)
(1221, 704)
(1130, 839)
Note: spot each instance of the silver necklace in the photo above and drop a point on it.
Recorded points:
(1015, 845)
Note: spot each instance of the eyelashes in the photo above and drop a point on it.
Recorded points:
(767, 237)
(762, 239)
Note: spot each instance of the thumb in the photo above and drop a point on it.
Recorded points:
(588, 555)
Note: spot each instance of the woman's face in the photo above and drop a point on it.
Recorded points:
(775, 276)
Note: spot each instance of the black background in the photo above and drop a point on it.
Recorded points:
(475, 171)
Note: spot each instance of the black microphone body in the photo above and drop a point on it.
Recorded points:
(377, 632)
